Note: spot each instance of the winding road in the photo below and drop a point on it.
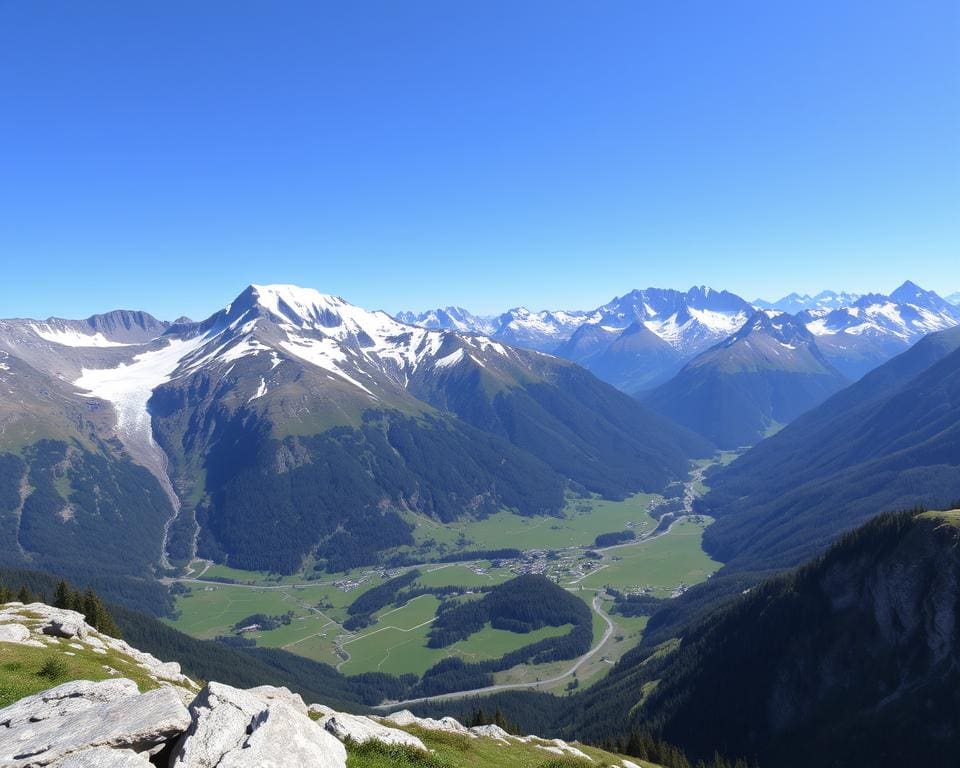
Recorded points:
(595, 604)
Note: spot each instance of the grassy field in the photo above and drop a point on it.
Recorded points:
(398, 642)
(584, 519)
(662, 564)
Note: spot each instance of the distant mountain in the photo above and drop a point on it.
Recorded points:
(891, 440)
(634, 341)
(294, 423)
(633, 359)
(954, 298)
(796, 302)
(761, 377)
(850, 661)
(112, 329)
(855, 333)
(450, 319)
(858, 338)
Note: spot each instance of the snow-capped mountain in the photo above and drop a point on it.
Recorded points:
(684, 323)
(763, 376)
(954, 298)
(859, 337)
(856, 332)
(544, 330)
(450, 319)
(293, 423)
(797, 302)
(688, 321)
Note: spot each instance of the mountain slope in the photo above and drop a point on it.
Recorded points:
(890, 440)
(767, 373)
(70, 497)
(633, 360)
(855, 656)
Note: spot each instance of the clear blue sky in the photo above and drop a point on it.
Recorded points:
(161, 154)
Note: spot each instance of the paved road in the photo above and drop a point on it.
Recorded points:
(508, 686)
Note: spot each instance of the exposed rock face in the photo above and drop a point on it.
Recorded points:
(231, 728)
(361, 729)
(103, 757)
(45, 728)
(491, 732)
(448, 724)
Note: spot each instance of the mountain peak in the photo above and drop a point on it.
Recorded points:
(908, 292)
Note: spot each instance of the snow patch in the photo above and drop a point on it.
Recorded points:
(448, 360)
(72, 338)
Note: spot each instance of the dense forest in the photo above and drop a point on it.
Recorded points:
(521, 605)
(76, 502)
(613, 538)
(334, 500)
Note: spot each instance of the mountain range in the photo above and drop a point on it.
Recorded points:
(292, 424)
(642, 339)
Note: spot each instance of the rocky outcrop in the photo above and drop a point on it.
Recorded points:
(14, 633)
(405, 717)
(449, 725)
(360, 730)
(49, 727)
(47, 626)
(232, 728)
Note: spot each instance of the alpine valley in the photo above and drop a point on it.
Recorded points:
(585, 524)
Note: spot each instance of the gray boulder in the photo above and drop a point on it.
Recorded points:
(240, 729)
(49, 727)
(362, 729)
(103, 757)
(13, 633)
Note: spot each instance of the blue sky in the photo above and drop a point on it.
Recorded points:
(162, 155)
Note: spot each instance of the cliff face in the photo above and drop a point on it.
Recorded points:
(851, 660)
(855, 657)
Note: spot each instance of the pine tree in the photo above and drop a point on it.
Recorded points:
(24, 595)
(62, 598)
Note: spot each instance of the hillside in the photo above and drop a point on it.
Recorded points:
(889, 441)
(854, 656)
(74, 697)
(763, 376)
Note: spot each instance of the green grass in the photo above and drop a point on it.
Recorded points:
(461, 575)
(398, 642)
(949, 517)
(584, 519)
(662, 563)
(25, 670)
(455, 751)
